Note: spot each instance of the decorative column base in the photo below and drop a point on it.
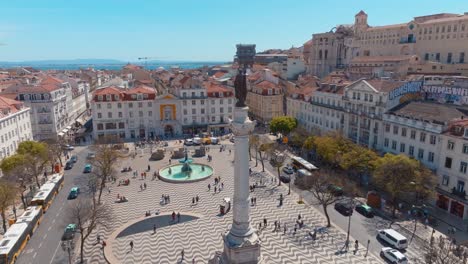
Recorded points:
(248, 252)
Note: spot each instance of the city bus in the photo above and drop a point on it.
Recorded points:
(13, 242)
(45, 195)
(32, 216)
(57, 179)
(300, 163)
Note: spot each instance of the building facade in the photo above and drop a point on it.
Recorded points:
(15, 126)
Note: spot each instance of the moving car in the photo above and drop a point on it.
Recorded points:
(73, 193)
(288, 169)
(232, 139)
(74, 158)
(68, 147)
(365, 210)
(69, 232)
(344, 208)
(91, 155)
(393, 255)
(69, 165)
(393, 238)
(87, 168)
(188, 142)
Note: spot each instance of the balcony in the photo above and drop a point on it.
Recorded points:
(406, 40)
(461, 194)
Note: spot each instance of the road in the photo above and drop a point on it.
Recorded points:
(362, 228)
(44, 246)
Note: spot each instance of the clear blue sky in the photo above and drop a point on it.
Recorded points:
(183, 29)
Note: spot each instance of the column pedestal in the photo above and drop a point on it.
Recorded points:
(241, 243)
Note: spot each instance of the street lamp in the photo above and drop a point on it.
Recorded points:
(68, 245)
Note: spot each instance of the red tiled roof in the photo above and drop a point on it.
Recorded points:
(266, 85)
(7, 103)
(212, 87)
(108, 90)
(384, 85)
(143, 89)
(219, 74)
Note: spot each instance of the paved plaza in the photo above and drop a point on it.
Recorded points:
(200, 238)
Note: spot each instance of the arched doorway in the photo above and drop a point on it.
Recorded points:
(168, 131)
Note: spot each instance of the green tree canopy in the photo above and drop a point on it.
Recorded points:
(37, 155)
(283, 124)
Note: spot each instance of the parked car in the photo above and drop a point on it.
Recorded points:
(393, 255)
(74, 158)
(68, 147)
(73, 193)
(188, 142)
(197, 141)
(393, 238)
(88, 168)
(232, 139)
(344, 208)
(365, 210)
(91, 155)
(288, 169)
(69, 232)
(214, 140)
(69, 165)
(336, 190)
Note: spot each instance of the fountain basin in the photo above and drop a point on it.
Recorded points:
(179, 176)
(185, 161)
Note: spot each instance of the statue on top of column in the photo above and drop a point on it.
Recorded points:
(245, 59)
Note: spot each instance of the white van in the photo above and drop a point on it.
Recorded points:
(393, 238)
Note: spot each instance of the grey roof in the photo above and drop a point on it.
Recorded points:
(430, 112)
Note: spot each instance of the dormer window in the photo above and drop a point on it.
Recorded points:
(116, 97)
(134, 96)
(99, 97)
(139, 97)
(145, 96)
(108, 97)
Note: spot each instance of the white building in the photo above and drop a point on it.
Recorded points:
(15, 126)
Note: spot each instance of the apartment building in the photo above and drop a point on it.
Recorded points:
(15, 125)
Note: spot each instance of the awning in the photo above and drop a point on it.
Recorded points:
(65, 130)
(68, 127)
(60, 134)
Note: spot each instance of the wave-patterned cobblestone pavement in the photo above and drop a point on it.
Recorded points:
(201, 238)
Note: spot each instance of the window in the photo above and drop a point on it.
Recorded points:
(140, 104)
(432, 139)
(462, 57)
(411, 151)
(394, 144)
(213, 119)
(437, 56)
(130, 114)
(460, 186)
(463, 166)
(445, 180)
(150, 113)
(403, 132)
(202, 102)
(212, 110)
(420, 153)
(202, 110)
(371, 97)
(100, 127)
(449, 57)
(184, 103)
(121, 125)
(448, 162)
(365, 98)
(140, 113)
(221, 110)
(194, 111)
(395, 130)
(109, 106)
(130, 105)
(220, 101)
(150, 104)
(184, 94)
(194, 102)
(109, 115)
(119, 105)
(422, 137)
(413, 134)
(98, 106)
(430, 157)
(402, 147)
(386, 142)
(450, 145)
(120, 114)
(465, 148)
(426, 56)
(387, 128)
(99, 115)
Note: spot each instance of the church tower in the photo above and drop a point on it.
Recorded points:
(360, 22)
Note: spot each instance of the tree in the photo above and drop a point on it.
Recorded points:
(87, 216)
(14, 168)
(107, 156)
(37, 156)
(324, 195)
(7, 198)
(283, 124)
(262, 150)
(396, 175)
(277, 160)
(55, 151)
(442, 250)
(309, 143)
(359, 160)
(331, 148)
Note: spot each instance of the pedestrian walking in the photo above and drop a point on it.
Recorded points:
(265, 222)
(193, 200)
(197, 198)
(222, 185)
(98, 239)
(193, 260)
(276, 226)
(109, 190)
(131, 245)
(284, 229)
(178, 217)
(170, 161)
(141, 187)
(149, 168)
(215, 189)
(356, 247)
(154, 229)
(255, 201)
(144, 185)
(209, 187)
(173, 216)
(182, 254)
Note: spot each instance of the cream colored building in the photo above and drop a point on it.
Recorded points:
(439, 38)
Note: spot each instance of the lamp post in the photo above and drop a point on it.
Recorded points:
(67, 246)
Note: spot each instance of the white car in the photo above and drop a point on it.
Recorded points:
(393, 255)
(188, 142)
(68, 147)
(288, 170)
(197, 141)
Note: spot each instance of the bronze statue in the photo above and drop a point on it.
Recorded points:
(240, 86)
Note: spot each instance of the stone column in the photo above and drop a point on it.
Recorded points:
(241, 243)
